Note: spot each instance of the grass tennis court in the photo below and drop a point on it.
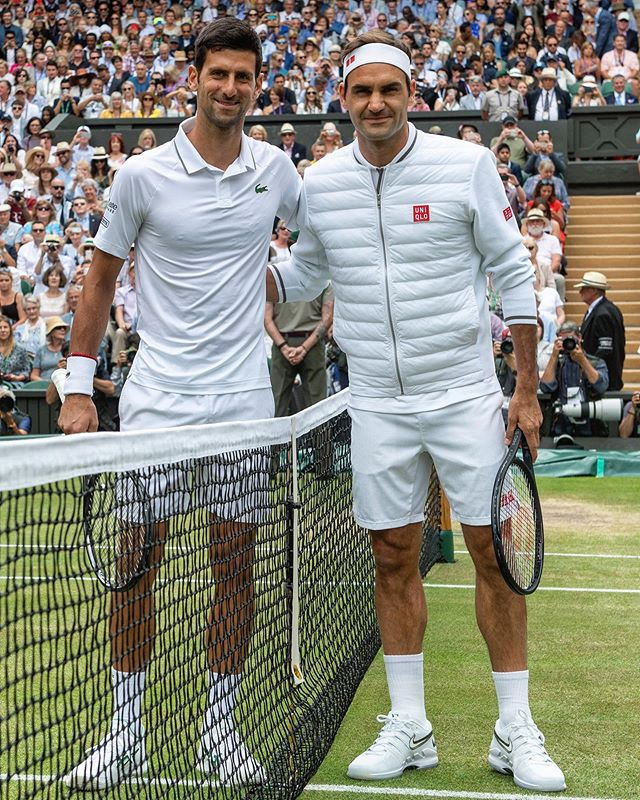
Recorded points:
(584, 663)
(584, 649)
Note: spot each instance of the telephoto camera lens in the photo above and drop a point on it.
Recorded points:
(569, 344)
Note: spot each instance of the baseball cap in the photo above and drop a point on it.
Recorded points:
(501, 73)
(589, 81)
(107, 44)
(158, 20)
(515, 73)
(287, 128)
(83, 129)
(17, 186)
(509, 119)
(624, 15)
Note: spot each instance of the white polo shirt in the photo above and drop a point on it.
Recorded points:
(202, 242)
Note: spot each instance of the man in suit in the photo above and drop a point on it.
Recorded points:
(605, 28)
(295, 151)
(631, 36)
(548, 102)
(619, 96)
(602, 327)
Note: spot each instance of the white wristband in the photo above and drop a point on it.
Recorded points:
(80, 372)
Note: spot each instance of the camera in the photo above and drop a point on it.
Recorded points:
(569, 344)
(506, 346)
(16, 196)
(607, 410)
(51, 248)
(131, 354)
(272, 17)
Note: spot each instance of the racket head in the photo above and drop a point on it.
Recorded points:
(516, 520)
(118, 527)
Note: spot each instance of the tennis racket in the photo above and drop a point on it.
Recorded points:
(117, 520)
(118, 526)
(516, 519)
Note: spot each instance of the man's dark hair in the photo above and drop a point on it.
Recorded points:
(376, 36)
(227, 33)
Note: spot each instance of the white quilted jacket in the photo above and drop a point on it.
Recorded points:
(407, 249)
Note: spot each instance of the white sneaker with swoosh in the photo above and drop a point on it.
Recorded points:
(119, 756)
(401, 744)
(223, 751)
(518, 750)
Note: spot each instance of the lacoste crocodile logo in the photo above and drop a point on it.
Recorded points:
(260, 189)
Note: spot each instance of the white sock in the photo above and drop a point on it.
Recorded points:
(128, 690)
(221, 702)
(512, 689)
(406, 686)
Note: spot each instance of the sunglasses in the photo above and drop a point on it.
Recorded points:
(544, 132)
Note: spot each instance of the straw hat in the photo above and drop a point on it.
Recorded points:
(596, 280)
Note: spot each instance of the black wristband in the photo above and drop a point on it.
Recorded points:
(281, 345)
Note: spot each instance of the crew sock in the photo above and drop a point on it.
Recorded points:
(512, 689)
(406, 686)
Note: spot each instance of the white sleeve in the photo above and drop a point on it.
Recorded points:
(290, 184)
(499, 241)
(125, 211)
(305, 275)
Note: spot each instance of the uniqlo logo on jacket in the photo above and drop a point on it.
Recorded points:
(508, 213)
(421, 214)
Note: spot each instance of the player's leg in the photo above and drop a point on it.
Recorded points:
(121, 753)
(236, 513)
(390, 488)
(467, 444)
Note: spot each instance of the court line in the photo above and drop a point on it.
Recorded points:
(320, 787)
(582, 589)
(438, 793)
(567, 555)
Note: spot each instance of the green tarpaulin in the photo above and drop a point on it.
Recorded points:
(569, 463)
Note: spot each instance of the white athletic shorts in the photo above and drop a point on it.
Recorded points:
(392, 455)
(231, 487)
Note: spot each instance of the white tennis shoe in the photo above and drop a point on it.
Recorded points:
(518, 750)
(119, 756)
(223, 752)
(401, 744)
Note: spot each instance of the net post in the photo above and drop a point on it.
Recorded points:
(293, 508)
(446, 534)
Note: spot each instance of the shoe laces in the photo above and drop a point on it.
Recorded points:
(527, 739)
(388, 737)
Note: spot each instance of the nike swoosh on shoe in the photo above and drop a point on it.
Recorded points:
(414, 743)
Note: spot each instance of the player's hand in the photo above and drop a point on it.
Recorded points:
(524, 411)
(78, 415)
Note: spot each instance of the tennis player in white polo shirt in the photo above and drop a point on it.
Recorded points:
(200, 210)
(407, 226)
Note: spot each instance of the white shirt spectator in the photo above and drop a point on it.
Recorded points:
(548, 246)
(49, 88)
(547, 105)
(126, 297)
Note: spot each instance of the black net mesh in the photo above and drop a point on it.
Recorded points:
(205, 643)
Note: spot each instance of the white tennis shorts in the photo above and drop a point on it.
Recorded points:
(232, 486)
(392, 456)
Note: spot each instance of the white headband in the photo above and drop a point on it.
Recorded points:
(377, 53)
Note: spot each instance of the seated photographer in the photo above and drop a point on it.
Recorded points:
(629, 427)
(13, 422)
(505, 364)
(573, 377)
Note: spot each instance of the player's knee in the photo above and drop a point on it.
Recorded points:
(393, 554)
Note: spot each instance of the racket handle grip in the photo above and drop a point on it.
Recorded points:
(58, 378)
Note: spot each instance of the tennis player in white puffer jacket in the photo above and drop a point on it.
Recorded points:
(408, 227)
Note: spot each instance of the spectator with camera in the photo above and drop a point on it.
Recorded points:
(630, 423)
(505, 364)
(571, 377)
(503, 155)
(13, 422)
(543, 149)
(520, 146)
(14, 359)
(19, 205)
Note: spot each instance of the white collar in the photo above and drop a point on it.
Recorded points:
(193, 161)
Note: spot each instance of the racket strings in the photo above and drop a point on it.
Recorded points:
(518, 526)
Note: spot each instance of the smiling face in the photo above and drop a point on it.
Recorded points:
(377, 99)
(5, 331)
(226, 87)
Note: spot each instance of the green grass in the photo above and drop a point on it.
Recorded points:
(585, 679)
(583, 652)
